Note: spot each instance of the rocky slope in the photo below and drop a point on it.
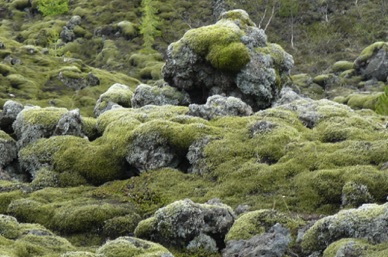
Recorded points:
(225, 151)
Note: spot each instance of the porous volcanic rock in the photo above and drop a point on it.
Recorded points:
(179, 223)
(231, 57)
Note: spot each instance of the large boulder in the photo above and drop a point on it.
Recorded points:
(185, 223)
(373, 62)
(273, 243)
(10, 111)
(369, 222)
(33, 123)
(117, 94)
(231, 57)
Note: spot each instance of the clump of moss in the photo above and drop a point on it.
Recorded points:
(342, 66)
(131, 247)
(219, 44)
(257, 222)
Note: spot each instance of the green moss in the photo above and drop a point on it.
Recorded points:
(85, 217)
(219, 44)
(7, 197)
(257, 222)
(131, 247)
(370, 50)
(120, 226)
(45, 178)
(318, 236)
(128, 29)
(36, 245)
(144, 228)
(323, 189)
(341, 66)
(47, 117)
(362, 101)
(78, 254)
(89, 127)
(358, 246)
(31, 211)
(9, 227)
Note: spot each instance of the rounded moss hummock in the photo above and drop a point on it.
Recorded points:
(132, 247)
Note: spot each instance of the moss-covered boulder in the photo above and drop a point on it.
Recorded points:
(10, 111)
(231, 57)
(373, 62)
(117, 94)
(132, 247)
(367, 222)
(159, 95)
(218, 105)
(34, 123)
(181, 222)
(275, 242)
(8, 149)
(258, 222)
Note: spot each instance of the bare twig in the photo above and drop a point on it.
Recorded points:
(270, 18)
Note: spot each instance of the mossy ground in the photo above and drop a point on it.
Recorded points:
(286, 168)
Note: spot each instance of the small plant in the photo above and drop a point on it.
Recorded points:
(382, 103)
(53, 7)
(149, 24)
(52, 40)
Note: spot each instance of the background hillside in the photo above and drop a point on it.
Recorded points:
(317, 34)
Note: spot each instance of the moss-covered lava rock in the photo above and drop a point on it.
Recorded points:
(231, 57)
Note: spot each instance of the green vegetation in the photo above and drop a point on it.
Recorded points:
(382, 103)
(53, 7)
(219, 44)
(150, 23)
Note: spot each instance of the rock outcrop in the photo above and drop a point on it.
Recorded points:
(117, 95)
(373, 62)
(231, 57)
(155, 95)
(368, 222)
(185, 223)
(273, 243)
(217, 106)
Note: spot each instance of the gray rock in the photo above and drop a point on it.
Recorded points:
(117, 94)
(67, 35)
(274, 243)
(196, 156)
(34, 123)
(78, 82)
(193, 65)
(286, 96)
(369, 222)
(151, 151)
(10, 111)
(70, 124)
(74, 21)
(8, 149)
(350, 249)
(181, 222)
(310, 112)
(153, 95)
(218, 105)
(373, 62)
(203, 242)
